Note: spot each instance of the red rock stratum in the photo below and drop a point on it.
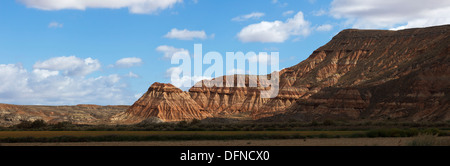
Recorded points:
(359, 74)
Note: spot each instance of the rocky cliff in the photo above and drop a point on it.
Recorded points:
(369, 74)
(163, 101)
(359, 74)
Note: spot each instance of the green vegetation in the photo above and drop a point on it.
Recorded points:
(92, 136)
(40, 131)
(198, 125)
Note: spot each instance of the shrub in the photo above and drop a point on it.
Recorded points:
(328, 123)
(182, 123)
(37, 124)
(195, 122)
(424, 140)
(314, 123)
(62, 125)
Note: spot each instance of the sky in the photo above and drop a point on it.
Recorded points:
(108, 52)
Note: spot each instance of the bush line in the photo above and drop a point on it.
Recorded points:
(394, 132)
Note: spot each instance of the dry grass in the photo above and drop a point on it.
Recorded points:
(429, 140)
(37, 134)
(283, 142)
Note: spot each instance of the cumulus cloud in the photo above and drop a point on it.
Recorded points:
(236, 71)
(69, 65)
(55, 24)
(287, 13)
(134, 6)
(324, 27)
(128, 62)
(276, 31)
(185, 34)
(132, 75)
(254, 15)
(320, 12)
(169, 51)
(397, 14)
(51, 87)
(182, 81)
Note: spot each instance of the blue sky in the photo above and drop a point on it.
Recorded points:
(60, 52)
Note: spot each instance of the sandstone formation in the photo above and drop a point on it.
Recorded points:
(368, 74)
(374, 74)
(228, 100)
(165, 102)
(358, 75)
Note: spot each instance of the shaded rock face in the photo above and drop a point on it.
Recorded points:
(359, 74)
(165, 102)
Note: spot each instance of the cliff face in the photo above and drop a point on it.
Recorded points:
(359, 74)
(226, 100)
(364, 74)
(165, 102)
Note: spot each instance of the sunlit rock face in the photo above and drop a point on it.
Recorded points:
(359, 74)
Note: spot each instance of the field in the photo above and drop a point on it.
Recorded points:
(49, 134)
(142, 136)
(198, 133)
(385, 141)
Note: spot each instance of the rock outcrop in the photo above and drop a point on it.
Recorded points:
(227, 100)
(369, 74)
(359, 74)
(166, 102)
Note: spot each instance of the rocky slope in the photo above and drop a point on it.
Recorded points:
(359, 74)
(79, 114)
(228, 100)
(368, 74)
(163, 101)
(375, 74)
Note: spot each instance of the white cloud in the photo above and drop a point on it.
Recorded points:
(169, 51)
(397, 14)
(280, 4)
(185, 34)
(43, 74)
(254, 15)
(320, 12)
(71, 65)
(179, 80)
(132, 75)
(236, 71)
(128, 62)
(287, 13)
(134, 6)
(55, 24)
(276, 31)
(324, 27)
(42, 86)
